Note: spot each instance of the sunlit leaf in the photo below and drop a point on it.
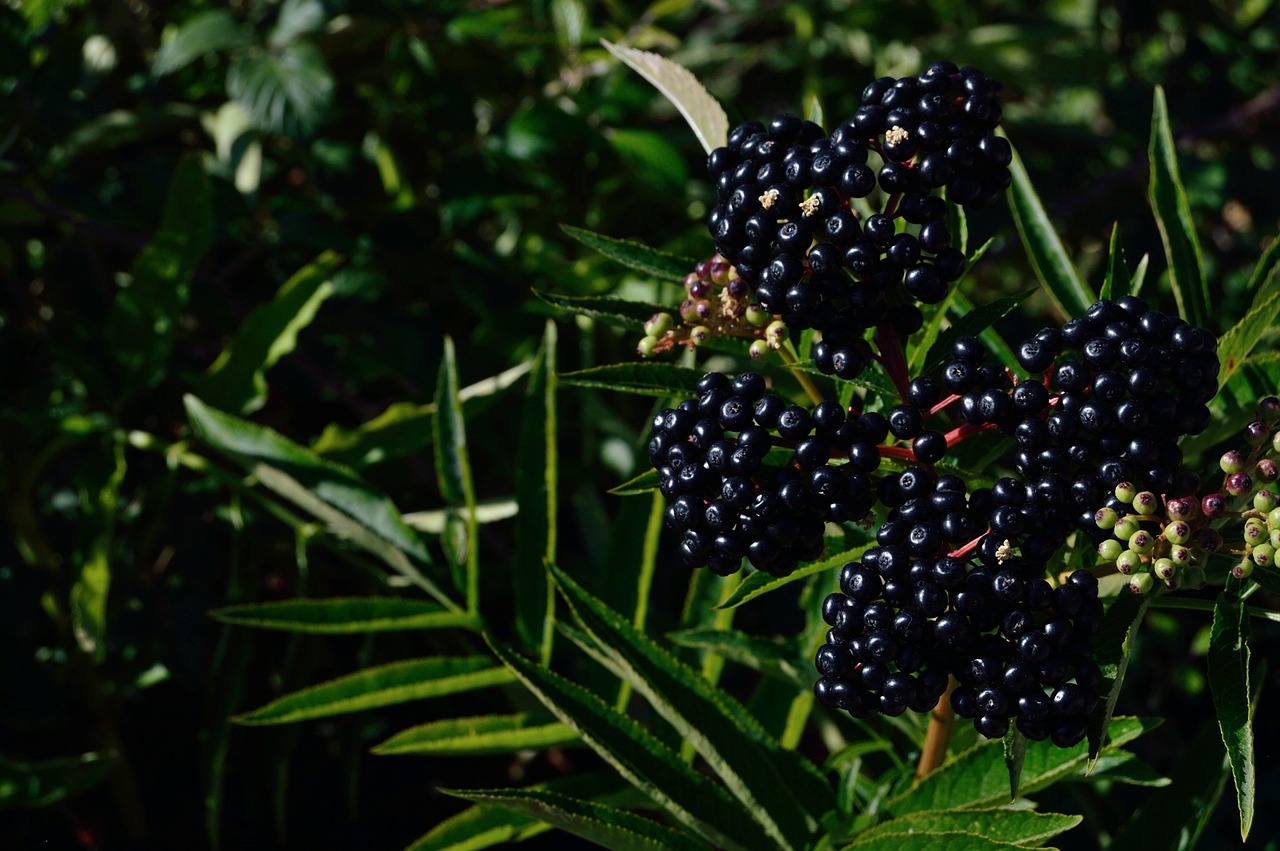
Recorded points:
(344, 615)
(703, 112)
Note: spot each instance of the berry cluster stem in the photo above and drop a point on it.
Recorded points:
(937, 738)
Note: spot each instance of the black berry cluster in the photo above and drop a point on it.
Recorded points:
(785, 220)
(729, 500)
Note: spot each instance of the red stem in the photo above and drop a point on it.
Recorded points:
(969, 547)
(954, 397)
(960, 432)
(891, 357)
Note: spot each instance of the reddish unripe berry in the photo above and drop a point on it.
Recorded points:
(1213, 505)
(1239, 484)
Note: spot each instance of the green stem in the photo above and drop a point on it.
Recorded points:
(790, 357)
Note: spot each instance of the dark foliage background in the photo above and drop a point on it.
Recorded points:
(436, 146)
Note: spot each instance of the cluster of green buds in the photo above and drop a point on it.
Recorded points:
(1245, 495)
(1169, 540)
(717, 304)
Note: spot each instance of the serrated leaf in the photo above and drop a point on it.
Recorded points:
(774, 658)
(978, 777)
(1015, 754)
(537, 484)
(482, 734)
(1124, 767)
(972, 322)
(1044, 249)
(643, 760)
(349, 506)
(143, 320)
(1228, 662)
(382, 685)
(1020, 827)
(38, 784)
(635, 255)
(1116, 281)
(931, 841)
(1173, 217)
(286, 91)
(759, 583)
(237, 380)
(200, 35)
(615, 311)
(703, 112)
(477, 828)
(608, 827)
(405, 428)
(648, 379)
(1112, 649)
(637, 484)
(344, 615)
(1238, 344)
(784, 793)
(453, 469)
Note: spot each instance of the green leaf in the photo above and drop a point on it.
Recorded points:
(979, 778)
(654, 161)
(637, 484)
(481, 734)
(1116, 282)
(286, 91)
(972, 322)
(200, 35)
(784, 792)
(1125, 767)
(1045, 251)
(635, 255)
(1229, 681)
(37, 784)
(237, 380)
(479, 827)
(349, 506)
(1173, 818)
(453, 467)
(1015, 754)
(931, 841)
(608, 827)
(344, 615)
(143, 320)
(643, 760)
(615, 311)
(706, 117)
(297, 17)
(1020, 827)
(537, 485)
(649, 379)
(775, 658)
(382, 685)
(1112, 650)
(1173, 217)
(1238, 344)
(759, 583)
(405, 428)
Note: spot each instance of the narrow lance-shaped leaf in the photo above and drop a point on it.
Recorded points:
(703, 112)
(1045, 251)
(1116, 282)
(615, 311)
(453, 470)
(952, 840)
(37, 784)
(759, 583)
(1229, 680)
(477, 828)
(783, 791)
(481, 734)
(1173, 217)
(344, 615)
(649, 379)
(237, 379)
(1015, 754)
(537, 486)
(973, 322)
(608, 827)
(1237, 344)
(1021, 827)
(1112, 648)
(383, 685)
(643, 760)
(635, 255)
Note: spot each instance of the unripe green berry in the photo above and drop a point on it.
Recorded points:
(1242, 570)
(689, 309)
(1110, 549)
(1263, 555)
(1273, 518)
(1180, 555)
(1165, 569)
(1146, 502)
(1142, 542)
(659, 324)
(720, 270)
(758, 349)
(698, 334)
(1275, 443)
(1255, 532)
(1129, 562)
(1180, 509)
(1177, 532)
(1126, 527)
(1106, 518)
(646, 346)
(776, 333)
(1141, 583)
(1273, 537)
(1266, 470)
(1125, 492)
(757, 315)
(1232, 461)
(1265, 501)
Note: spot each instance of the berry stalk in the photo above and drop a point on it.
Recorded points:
(937, 738)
